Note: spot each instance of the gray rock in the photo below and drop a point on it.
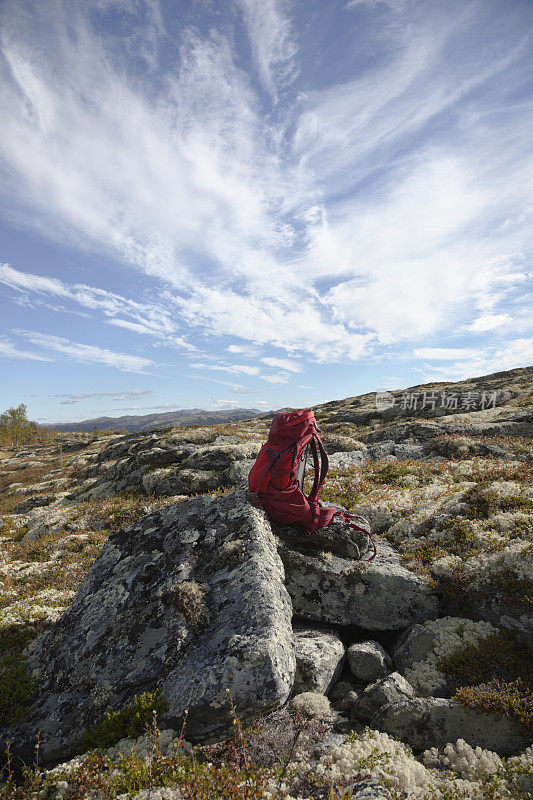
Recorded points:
(368, 661)
(34, 502)
(348, 703)
(522, 627)
(381, 450)
(339, 691)
(414, 645)
(190, 600)
(218, 457)
(380, 595)
(424, 722)
(409, 451)
(237, 473)
(319, 659)
(337, 443)
(342, 460)
(337, 537)
(190, 481)
(154, 477)
(367, 789)
(392, 689)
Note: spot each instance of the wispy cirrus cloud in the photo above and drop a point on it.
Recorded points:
(152, 319)
(273, 43)
(283, 363)
(86, 353)
(244, 369)
(9, 350)
(70, 399)
(386, 201)
(466, 363)
(235, 369)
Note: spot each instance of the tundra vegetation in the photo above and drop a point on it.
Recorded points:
(459, 511)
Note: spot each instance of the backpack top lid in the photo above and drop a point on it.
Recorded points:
(293, 423)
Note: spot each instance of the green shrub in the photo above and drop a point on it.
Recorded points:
(128, 723)
(390, 473)
(504, 698)
(516, 503)
(482, 503)
(499, 655)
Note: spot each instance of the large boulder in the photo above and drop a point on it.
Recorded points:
(377, 595)
(189, 600)
(425, 722)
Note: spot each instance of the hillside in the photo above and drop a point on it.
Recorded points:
(133, 565)
(143, 422)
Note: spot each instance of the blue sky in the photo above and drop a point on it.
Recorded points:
(260, 203)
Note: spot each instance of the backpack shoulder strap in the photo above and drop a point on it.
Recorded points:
(321, 463)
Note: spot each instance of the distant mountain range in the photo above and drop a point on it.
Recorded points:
(143, 422)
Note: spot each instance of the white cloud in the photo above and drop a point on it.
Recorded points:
(70, 399)
(283, 363)
(509, 355)
(489, 322)
(235, 369)
(221, 405)
(136, 327)
(249, 351)
(86, 353)
(281, 377)
(150, 319)
(396, 5)
(273, 44)
(267, 321)
(389, 206)
(242, 390)
(235, 387)
(9, 350)
(446, 353)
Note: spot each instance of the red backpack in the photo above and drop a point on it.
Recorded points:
(276, 479)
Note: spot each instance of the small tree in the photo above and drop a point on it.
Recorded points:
(15, 427)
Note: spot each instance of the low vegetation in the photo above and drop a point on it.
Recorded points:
(493, 676)
(513, 699)
(463, 519)
(128, 723)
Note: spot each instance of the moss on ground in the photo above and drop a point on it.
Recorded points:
(17, 687)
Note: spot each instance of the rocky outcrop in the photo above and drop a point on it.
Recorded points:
(380, 595)
(167, 466)
(189, 600)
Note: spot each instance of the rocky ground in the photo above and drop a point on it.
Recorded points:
(136, 577)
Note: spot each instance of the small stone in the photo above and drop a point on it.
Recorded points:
(413, 645)
(369, 661)
(319, 659)
(388, 690)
